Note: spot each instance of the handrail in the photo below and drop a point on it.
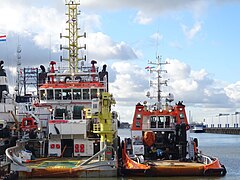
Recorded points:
(10, 152)
(95, 155)
(206, 159)
(128, 163)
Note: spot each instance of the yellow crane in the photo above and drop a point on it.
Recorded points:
(105, 126)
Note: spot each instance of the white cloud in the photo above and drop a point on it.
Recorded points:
(157, 37)
(38, 24)
(233, 91)
(130, 81)
(128, 87)
(142, 18)
(102, 47)
(42, 25)
(12, 70)
(190, 33)
(148, 11)
(90, 22)
(155, 7)
(199, 75)
(197, 89)
(177, 70)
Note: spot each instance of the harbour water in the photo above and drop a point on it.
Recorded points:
(224, 146)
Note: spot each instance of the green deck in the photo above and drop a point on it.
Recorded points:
(55, 164)
(65, 164)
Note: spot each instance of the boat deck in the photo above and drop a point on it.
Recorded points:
(174, 163)
(56, 163)
(167, 168)
(69, 168)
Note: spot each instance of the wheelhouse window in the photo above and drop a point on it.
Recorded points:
(42, 95)
(138, 124)
(173, 121)
(139, 116)
(100, 91)
(153, 122)
(49, 94)
(161, 121)
(67, 94)
(167, 122)
(77, 112)
(58, 94)
(181, 116)
(77, 94)
(60, 113)
(85, 93)
(94, 93)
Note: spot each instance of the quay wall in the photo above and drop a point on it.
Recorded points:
(223, 130)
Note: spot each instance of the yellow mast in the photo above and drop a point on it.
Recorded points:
(72, 28)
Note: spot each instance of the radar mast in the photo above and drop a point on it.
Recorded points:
(19, 74)
(157, 69)
(73, 36)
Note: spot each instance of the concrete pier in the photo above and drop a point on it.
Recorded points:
(223, 130)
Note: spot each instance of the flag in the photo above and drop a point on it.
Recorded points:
(3, 37)
(149, 67)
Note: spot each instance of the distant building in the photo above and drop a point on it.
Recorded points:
(223, 121)
(124, 125)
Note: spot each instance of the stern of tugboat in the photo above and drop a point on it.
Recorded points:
(214, 167)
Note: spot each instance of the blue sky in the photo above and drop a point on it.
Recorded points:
(199, 38)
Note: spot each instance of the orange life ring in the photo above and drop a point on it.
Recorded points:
(149, 138)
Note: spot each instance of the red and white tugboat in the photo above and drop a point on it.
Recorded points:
(79, 137)
(160, 143)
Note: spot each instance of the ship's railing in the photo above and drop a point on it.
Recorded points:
(97, 127)
(206, 159)
(95, 155)
(80, 69)
(164, 126)
(78, 77)
(165, 107)
(13, 153)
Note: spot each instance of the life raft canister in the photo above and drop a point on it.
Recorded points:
(149, 138)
